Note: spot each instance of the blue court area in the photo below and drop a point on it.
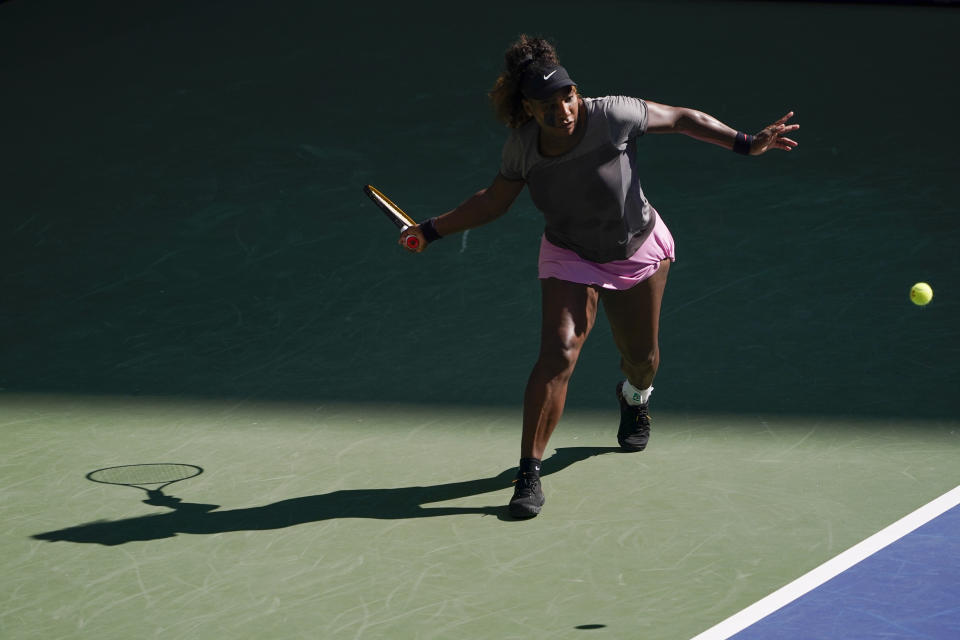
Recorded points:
(909, 589)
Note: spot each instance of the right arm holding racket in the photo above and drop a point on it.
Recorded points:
(482, 207)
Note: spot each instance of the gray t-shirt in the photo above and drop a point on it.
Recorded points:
(590, 196)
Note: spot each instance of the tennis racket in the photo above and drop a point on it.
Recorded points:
(395, 213)
(137, 475)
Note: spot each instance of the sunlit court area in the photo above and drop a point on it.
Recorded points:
(231, 405)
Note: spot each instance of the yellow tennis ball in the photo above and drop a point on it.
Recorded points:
(921, 294)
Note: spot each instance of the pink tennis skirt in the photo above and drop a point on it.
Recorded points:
(564, 264)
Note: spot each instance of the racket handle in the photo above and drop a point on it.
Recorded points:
(413, 242)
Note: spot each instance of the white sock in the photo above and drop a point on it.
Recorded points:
(634, 396)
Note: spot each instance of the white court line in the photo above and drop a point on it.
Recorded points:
(831, 568)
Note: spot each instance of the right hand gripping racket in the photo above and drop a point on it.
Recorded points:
(395, 213)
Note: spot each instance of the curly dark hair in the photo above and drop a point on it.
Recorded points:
(505, 95)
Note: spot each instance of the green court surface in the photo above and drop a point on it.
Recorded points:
(191, 273)
(389, 522)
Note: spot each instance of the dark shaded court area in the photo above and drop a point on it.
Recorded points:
(183, 215)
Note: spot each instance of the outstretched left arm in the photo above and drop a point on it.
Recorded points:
(662, 118)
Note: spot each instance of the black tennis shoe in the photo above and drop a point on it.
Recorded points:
(634, 429)
(527, 496)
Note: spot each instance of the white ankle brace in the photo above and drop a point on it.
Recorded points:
(634, 396)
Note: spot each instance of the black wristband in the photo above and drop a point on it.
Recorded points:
(742, 143)
(429, 231)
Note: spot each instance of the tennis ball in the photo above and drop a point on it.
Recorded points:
(921, 294)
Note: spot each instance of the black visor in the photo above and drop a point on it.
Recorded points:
(539, 83)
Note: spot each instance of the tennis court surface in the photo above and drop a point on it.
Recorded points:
(321, 521)
(191, 274)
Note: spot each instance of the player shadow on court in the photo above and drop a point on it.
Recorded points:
(381, 504)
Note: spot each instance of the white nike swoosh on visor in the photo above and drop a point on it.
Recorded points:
(547, 77)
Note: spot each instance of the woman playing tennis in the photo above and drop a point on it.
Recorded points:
(603, 241)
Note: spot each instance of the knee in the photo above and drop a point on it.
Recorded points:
(559, 357)
(642, 362)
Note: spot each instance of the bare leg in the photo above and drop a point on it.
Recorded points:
(569, 312)
(634, 317)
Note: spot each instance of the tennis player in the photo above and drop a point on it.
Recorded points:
(603, 242)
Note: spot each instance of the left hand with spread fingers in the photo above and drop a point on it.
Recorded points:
(774, 137)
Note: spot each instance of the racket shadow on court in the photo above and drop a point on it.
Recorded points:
(152, 477)
(383, 504)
